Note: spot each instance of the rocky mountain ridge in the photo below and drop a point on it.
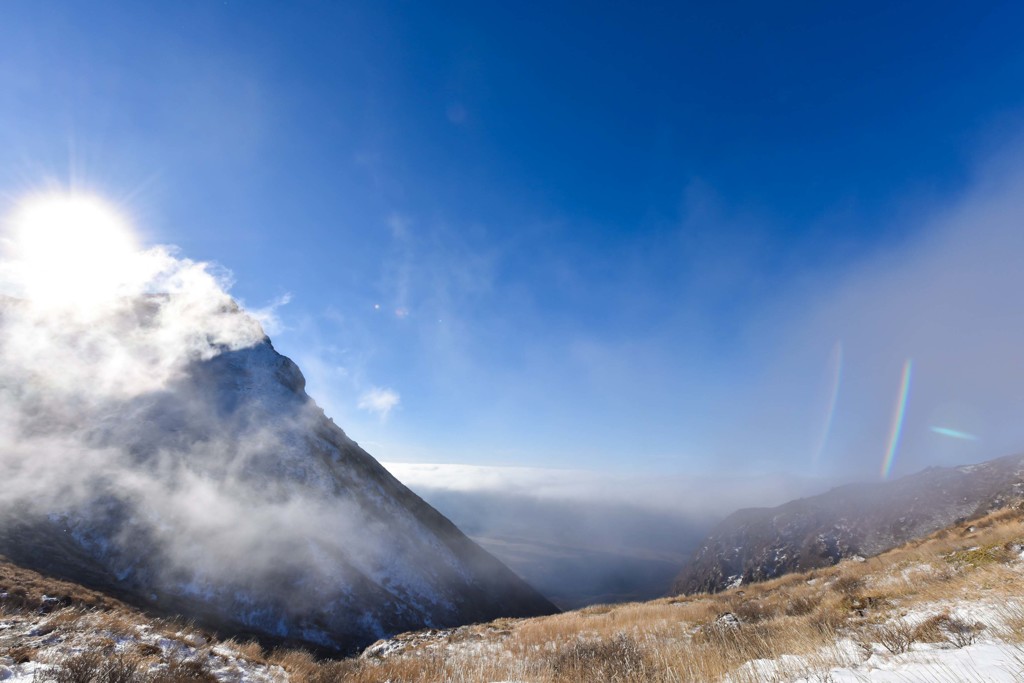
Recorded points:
(857, 519)
(226, 495)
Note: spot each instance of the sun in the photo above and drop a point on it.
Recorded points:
(68, 249)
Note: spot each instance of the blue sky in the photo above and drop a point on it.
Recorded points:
(575, 235)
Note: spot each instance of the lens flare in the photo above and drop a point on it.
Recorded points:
(954, 433)
(67, 250)
(837, 380)
(897, 422)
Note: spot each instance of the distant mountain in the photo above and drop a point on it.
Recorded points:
(858, 519)
(225, 495)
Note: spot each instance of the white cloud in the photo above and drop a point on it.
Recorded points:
(379, 400)
(684, 494)
(94, 321)
(267, 315)
(131, 380)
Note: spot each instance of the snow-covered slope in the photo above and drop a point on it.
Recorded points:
(222, 492)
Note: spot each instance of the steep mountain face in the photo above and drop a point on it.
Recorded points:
(858, 519)
(224, 494)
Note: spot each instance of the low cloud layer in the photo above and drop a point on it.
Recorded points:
(695, 497)
(590, 537)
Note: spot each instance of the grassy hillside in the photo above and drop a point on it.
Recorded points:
(948, 607)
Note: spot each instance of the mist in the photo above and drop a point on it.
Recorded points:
(144, 413)
(942, 305)
(905, 357)
(584, 537)
(878, 366)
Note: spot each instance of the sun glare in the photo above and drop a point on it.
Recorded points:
(69, 249)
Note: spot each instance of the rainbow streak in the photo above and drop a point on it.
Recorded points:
(837, 380)
(954, 433)
(897, 422)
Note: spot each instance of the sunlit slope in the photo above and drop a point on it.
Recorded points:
(944, 608)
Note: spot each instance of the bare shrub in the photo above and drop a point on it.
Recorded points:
(94, 667)
(1011, 616)
(962, 633)
(117, 624)
(65, 618)
(332, 672)
(862, 603)
(80, 668)
(148, 650)
(930, 630)
(828, 619)
(945, 628)
(250, 650)
(865, 643)
(800, 605)
(896, 637)
(22, 654)
(120, 668)
(751, 611)
(298, 663)
(619, 658)
(15, 599)
(185, 671)
(340, 670)
(847, 585)
(750, 641)
(302, 667)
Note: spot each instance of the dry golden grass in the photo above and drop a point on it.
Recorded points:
(688, 638)
(672, 640)
(248, 650)
(27, 588)
(86, 636)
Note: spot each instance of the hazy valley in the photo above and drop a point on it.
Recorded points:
(460, 342)
(944, 608)
(310, 543)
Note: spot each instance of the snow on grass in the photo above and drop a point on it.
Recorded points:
(989, 659)
(35, 645)
(990, 662)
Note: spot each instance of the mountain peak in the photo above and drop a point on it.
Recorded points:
(223, 492)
